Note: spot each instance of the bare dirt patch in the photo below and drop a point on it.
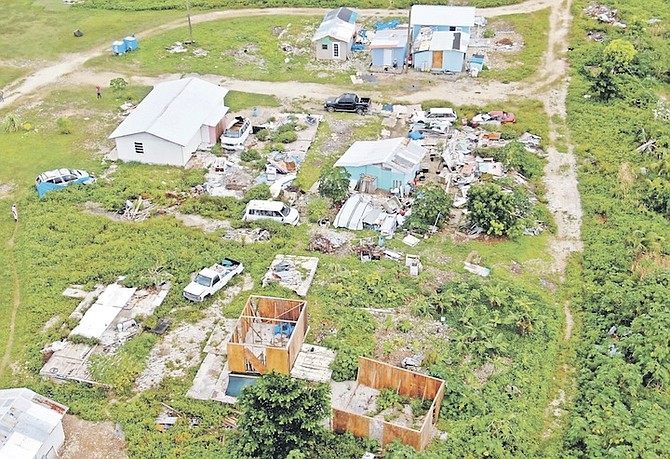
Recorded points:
(91, 440)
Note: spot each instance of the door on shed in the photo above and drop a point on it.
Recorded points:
(437, 60)
(388, 57)
(336, 50)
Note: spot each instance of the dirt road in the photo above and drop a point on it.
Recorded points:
(16, 301)
(69, 63)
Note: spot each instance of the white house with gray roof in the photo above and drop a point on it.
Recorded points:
(30, 425)
(172, 122)
(335, 35)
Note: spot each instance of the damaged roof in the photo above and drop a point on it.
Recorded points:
(26, 422)
(442, 41)
(389, 38)
(400, 154)
(175, 110)
(339, 23)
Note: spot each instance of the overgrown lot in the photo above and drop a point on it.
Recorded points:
(622, 404)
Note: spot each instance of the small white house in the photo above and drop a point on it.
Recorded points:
(30, 425)
(172, 122)
(335, 35)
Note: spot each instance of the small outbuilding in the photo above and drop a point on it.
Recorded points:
(390, 163)
(31, 426)
(335, 35)
(389, 48)
(172, 122)
(442, 18)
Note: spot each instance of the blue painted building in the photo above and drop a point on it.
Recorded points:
(389, 46)
(391, 162)
(440, 51)
(442, 18)
(440, 36)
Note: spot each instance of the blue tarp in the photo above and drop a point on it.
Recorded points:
(392, 24)
(284, 329)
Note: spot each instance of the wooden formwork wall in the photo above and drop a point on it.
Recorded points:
(344, 421)
(273, 311)
(380, 375)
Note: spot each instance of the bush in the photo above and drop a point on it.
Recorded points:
(286, 137)
(263, 135)
(334, 183)
(64, 125)
(260, 191)
(317, 208)
(345, 366)
(250, 155)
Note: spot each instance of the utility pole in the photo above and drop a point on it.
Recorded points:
(190, 28)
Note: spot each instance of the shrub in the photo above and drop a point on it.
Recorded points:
(334, 183)
(345, 366)
(64, 125)
(263, 135)
(317, 209)
(286, 137)
(250, 155)
(260, 191)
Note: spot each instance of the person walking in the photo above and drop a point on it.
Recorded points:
(98, 93)
(15, 213)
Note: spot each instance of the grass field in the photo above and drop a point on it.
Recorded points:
(243, 48)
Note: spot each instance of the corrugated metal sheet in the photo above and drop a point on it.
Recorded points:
(353, 212)
(440, 15)
(104, 311)
(26, 422)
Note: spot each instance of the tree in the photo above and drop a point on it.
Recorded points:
(260, 191)
(431, 208)
(496, 212)
(618, 56)
(334, 183)
(279, 416)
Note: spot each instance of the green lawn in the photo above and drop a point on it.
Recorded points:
(43, 30)
(243, 48)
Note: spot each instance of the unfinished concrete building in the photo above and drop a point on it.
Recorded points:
(268, 335)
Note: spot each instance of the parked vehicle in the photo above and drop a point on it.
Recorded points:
(60, 178)
(210, 280)
(270, 210)
(494, 117)
(236, 134)
(348, 102)
(434, 116)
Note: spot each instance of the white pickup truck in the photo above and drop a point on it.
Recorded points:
(210, 280)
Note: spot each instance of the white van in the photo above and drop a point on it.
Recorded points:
(236, 134)
(433, 115)
(270, 210)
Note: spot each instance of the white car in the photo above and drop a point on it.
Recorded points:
(270, 210)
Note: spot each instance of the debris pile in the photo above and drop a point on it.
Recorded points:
(604, 13)
(177, 47)
(247, 236)
(293, 272)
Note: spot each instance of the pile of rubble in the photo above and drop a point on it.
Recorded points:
(604, 13)
(247, 236)
(293, 272)
(328, 241)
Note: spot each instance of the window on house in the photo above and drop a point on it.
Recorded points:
(324, 46)
(139, 148)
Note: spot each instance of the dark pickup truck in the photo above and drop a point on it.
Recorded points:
(348, 103)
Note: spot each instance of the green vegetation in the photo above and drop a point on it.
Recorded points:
(139, 5)
(280, 414)
(430, 209)
(245, 48)
(334, 183)
(525, 62)
(622, 402)
(238, 100)
(497, 212)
